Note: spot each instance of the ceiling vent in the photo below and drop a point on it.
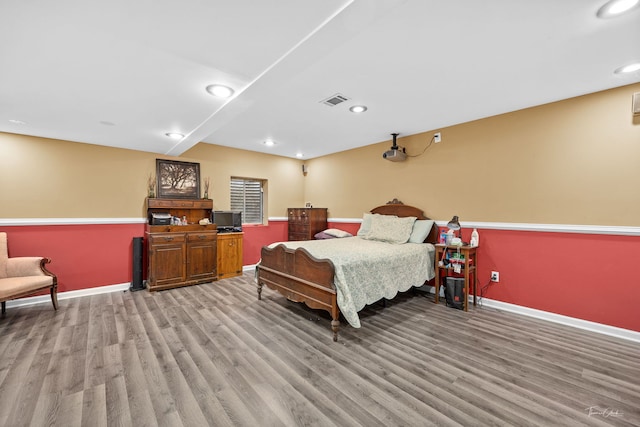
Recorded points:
(334, 100)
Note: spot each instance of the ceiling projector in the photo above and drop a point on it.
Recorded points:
(395, 153)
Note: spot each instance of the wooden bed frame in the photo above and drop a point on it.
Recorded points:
(302, 278)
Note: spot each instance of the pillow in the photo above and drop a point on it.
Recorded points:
(391, 229)
(421, 229)
(322, 235)
(366, 225)
(337, 233)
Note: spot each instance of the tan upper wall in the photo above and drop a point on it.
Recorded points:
(46, 178)
(283, 175)
(575, 161)
(571, 162)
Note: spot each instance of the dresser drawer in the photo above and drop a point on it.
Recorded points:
(170, 203)
(179, 203)
(202, 237)
(298, 236)
(298, 228)
(164, 238)
(298, 215)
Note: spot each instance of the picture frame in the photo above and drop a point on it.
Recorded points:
(177, 180)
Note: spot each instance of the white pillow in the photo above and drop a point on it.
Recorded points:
(387, 228)
(421, 229)
(337, 233)
(366, 225)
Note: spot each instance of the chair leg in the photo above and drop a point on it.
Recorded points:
(4, 307)
(54, 298)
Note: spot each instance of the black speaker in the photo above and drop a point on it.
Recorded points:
(136, 278)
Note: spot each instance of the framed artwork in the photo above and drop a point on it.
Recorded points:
(178, 180)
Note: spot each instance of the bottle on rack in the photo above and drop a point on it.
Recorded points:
(450, 236)
(475, 238)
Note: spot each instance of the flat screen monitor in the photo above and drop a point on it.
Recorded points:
(227, 220)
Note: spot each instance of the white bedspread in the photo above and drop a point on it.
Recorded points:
(367, 270)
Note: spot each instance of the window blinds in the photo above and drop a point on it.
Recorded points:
(246, 196)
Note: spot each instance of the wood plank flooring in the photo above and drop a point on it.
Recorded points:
(214, 355)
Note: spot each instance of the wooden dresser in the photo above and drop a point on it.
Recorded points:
(181, 255)
(304, 223)
(229, 254)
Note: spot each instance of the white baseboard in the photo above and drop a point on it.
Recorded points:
(486, 302)
(613, 331)
(41, 299)
(586, 325)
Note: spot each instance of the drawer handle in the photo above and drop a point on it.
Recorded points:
(168, 238)
(201, 236)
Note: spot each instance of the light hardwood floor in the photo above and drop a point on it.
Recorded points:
(214, 355)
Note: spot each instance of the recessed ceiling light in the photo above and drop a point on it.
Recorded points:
(174, 135)
(269, 143)
(220, 91)
(299, 155)
(358, 109)
(17, 122)
(628, 68)
(616, 7)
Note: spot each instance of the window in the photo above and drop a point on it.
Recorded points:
(247, 196)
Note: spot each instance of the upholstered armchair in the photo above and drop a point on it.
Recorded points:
(22, 276)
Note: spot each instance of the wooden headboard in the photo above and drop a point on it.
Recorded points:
(397, 208)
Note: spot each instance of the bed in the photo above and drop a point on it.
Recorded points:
(343, 275)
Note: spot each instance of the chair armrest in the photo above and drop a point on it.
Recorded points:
(27, 266)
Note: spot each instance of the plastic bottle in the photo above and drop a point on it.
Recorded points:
(450, 236)
(475, 238)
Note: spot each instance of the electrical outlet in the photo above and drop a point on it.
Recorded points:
(437, 137)
(495, 276)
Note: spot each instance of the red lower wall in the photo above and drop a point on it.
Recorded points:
(82, 256)
(88, 256)
(585, 276)
(255, 237)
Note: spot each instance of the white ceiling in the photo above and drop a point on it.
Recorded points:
(123, 73)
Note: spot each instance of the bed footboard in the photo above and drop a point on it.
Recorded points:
(301, 278)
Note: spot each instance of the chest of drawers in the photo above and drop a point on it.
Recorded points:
(304, 223)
